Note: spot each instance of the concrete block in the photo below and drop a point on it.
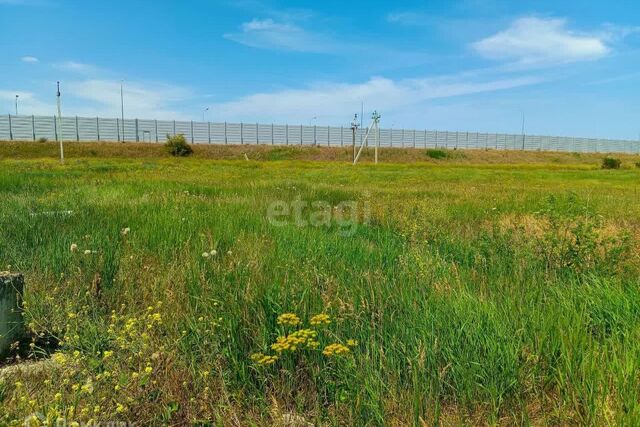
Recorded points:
(11, 322)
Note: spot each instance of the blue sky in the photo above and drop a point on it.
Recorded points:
(572, 68)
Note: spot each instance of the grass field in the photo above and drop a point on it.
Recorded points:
(480, 288)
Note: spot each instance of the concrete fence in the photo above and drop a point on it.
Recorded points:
(21, 128)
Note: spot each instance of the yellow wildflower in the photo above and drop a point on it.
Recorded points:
(335, 349)
(288, 319)
(352, 343)
(320, 319)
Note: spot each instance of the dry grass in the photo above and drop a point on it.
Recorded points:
(28, 149)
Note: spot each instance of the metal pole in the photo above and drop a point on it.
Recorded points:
(77, 130)
(523, 131)
(209, 131)
(241, 133)
(10, 129)
(33, 126)
(156, 128)
(60, 125)
(122, 106)
(17, 96)
(286, 134)
(353, 141)
(98, 128)
(137, 132)
(225, 133)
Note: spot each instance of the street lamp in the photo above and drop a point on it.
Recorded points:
(17, 96)
(122, 106)
(203, 112)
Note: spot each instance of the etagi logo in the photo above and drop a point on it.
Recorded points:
(346, 215)
(38, 419)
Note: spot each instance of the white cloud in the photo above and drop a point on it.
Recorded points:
(30, 59)
(28, 103)
(76, 67)
(336, 102)
(141, 99)
(408, 18)
(542, 41)
(269, 34)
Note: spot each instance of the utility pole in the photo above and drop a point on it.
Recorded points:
(122, 106)
(354, 128)
(17, 96)
(523, 131)
(60, 136)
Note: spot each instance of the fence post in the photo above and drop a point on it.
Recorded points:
(272, 134)
(10, 129)
(402, 142)
(77, 130)
(300, 134)
(209, 131)
(257, 134)
(286, 134)
(137, 132)
(98, 128)
(225, 133)
(414, 138)
(315, 138)
(192, 136)
(241, 133)
(55, 127)
(174, 127)
(341, 136)
(33, 126)
(156, 128)
(436, 139)
(118, 128)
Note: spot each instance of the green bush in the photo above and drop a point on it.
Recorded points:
(436, 153)
(638, 165)
(177, 146)
(611, 163)
(42, 139)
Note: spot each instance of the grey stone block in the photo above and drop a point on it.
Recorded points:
(11, 322)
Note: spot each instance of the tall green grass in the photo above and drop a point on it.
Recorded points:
(477, 294)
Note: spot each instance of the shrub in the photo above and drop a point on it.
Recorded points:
(638, 165)
(436, 153)
(611, 163)
(42, 139)
(177, 146)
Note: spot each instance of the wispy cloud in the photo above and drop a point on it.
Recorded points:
(141, 99)
(76, 67)
(542, 41)
(408, 18)
(30, 59)
(335, 102)
(28, 103)
(270, 34)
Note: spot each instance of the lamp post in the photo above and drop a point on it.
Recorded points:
(122, 106)
(60, 135)
(203, 113)
(17, 96)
